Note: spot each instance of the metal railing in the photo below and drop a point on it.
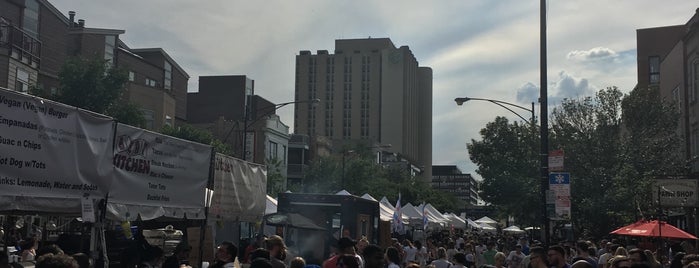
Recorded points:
(24, 44)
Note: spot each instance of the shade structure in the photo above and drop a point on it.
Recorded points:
(653, 229)
(485, 220)
(513, 229)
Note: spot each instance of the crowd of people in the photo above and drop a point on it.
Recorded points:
(482, 251)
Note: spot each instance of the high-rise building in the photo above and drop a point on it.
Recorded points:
(370, 93)
(450, 179)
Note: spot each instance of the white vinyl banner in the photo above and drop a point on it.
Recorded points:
(240, 190)
(157, 171)
(51, 150)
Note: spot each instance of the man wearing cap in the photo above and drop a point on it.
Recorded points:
(345, 246)
(277, 251)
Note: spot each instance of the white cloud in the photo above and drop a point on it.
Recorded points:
(594, 54)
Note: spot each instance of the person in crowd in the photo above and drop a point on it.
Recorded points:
(345, 246)
(82, 259)
(621, 251)
(421, 254)
(51, 260)
(29, 249)
(470, 256)
(603, 261)
(260, 263)
(451, 250)
(259, 253)
(373, 257)
(152, 257)
(652, 261)
(582, 248)
(393, 258)
(297, 262)
(499, 260)
(349, 261)
(619, 261)
(581, 263)
(459, 260)
(637, 255)
(179, 256)
(677, 260)
(442, 261)
(537, 258)
(362, 244)
(410, 252)
(277, 251)
(255, 244)
(524, 242)
(489, 253)
(556, 257)
(514, 259)
(225, 255)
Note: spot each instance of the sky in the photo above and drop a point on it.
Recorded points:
(476, 48)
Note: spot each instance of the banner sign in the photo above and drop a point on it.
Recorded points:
(675, 192)
(240, 190)
(52, 150)
(152, 169)
(559, 184)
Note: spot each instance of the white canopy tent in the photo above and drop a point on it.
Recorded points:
(486, 220)
(271, 206)
(343, 192)
(456, 221)
(388, 204)
(473, 224)
(513, 229)
(369, 197)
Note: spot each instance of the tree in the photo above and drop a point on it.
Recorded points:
(93, 85)
(614, 145)
(507, 159)
(275, 180)
(190, 133)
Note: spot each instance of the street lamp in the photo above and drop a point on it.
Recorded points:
(544, 148)
(268, 110)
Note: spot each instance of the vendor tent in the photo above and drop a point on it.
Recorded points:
(485, 220)
(388, 204)
(411, 212)
(369, 197)
(473, 224)
(271, 205)
(456, 221)
(513, 229)
(343, 192)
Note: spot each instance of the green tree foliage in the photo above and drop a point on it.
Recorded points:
(364, 175)
(89, 84)
(507, 159)
(614, 144)
(190, 133)
(275, 180)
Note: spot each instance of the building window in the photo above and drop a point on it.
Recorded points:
(149, 116)
(677, 98)
(30, 18)
(168, 120)
(151, 82)
(272, 148)
(654, 69)
(109, 45)
(22, 81)
(167, 83)
(132, 76)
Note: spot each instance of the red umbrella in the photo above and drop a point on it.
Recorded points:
(650, 229)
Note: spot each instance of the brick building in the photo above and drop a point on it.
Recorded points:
(36, 39)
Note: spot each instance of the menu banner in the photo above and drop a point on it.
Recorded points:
(48, 149)
(153, 169)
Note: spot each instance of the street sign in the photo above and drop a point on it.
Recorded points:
(550, 197)
(559, 184)
(556, 159)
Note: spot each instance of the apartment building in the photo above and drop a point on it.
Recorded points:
(450, 179)
(36, 39)
(668, 58)
(370, 92)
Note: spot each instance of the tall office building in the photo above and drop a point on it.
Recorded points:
(370, 93)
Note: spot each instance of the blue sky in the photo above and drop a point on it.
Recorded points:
(476, 48)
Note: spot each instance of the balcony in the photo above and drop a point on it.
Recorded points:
(22, 46)
(296, 170)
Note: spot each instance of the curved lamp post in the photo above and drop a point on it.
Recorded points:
(544, 156)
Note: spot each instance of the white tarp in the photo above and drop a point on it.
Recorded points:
(473, 223)
(456, 221)
(367, 196)
(485, 220)
(51, 154)
(343, 192)
(271, 205)
(388, 204)
(157, 175)
(240, 190)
